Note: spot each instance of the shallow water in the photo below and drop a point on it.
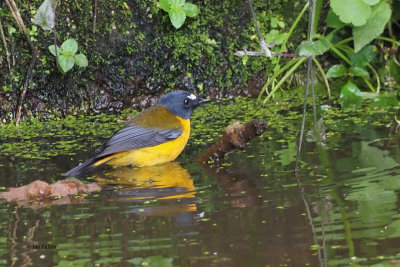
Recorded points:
(247, 210)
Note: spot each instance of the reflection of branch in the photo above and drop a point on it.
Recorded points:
(258, 53)
(17, 16)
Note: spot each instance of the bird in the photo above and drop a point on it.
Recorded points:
(154, 136)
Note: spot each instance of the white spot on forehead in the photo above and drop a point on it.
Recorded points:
(192, 97)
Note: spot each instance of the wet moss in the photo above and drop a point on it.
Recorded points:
(134, 51)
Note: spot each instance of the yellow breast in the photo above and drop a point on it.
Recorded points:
(149, 156)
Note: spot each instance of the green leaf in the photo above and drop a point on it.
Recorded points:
(313, 48)
(336, 71)
(191, 10)
(373, 27)
(70, 45)
(350, 96)
(333, 21)
(371, 2)
(363, 57)
(385, 101)
(164, 5)
(52, 50)
(44, 16)
(355, 12)
(177, 16)
(81, 60)
(176, 2)
(357, 71)
(275, 36)
(66, 62)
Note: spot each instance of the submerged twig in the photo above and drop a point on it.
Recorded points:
(17, 16)
(3, 37)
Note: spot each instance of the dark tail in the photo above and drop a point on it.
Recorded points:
(82, 168)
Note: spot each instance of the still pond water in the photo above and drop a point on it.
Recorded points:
(247, 210)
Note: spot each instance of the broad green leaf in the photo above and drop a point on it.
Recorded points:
(275, 36)
(176, 2)
(350, 96)
(355, 12)
(336, 71)
(66, 62)
(44, 16)
(81, 60)
(333, 21)
(363, 57)
(371, 2)
(385, 101)
(357, 71)
(374, 26)
(321, 46)
(164, 5)
(52, 50)
(313, 48)
(306, 49)
(177, 16)
(70, 45)
(191, 10)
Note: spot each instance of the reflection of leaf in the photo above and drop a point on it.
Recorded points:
(317, 135)
(44, 16)
(154, 261)
(385, 101)
(288, 155)
(375, 206)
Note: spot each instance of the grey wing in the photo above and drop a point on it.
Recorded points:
(134, 136)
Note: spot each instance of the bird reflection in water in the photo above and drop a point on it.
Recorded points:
(169, 184)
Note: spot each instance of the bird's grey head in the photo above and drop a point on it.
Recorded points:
(181, 103)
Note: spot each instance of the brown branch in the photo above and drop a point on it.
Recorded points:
(94, 16)
(258, 53)
(5, 46)
(17, 16)
(55, 32)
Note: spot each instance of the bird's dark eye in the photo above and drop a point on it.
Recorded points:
(186, 102)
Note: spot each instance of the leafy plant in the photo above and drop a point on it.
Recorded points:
(67, 56)
(178, 10)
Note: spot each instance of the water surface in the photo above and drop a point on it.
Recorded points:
(250, 209)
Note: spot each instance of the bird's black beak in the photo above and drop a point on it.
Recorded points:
(201, 101)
